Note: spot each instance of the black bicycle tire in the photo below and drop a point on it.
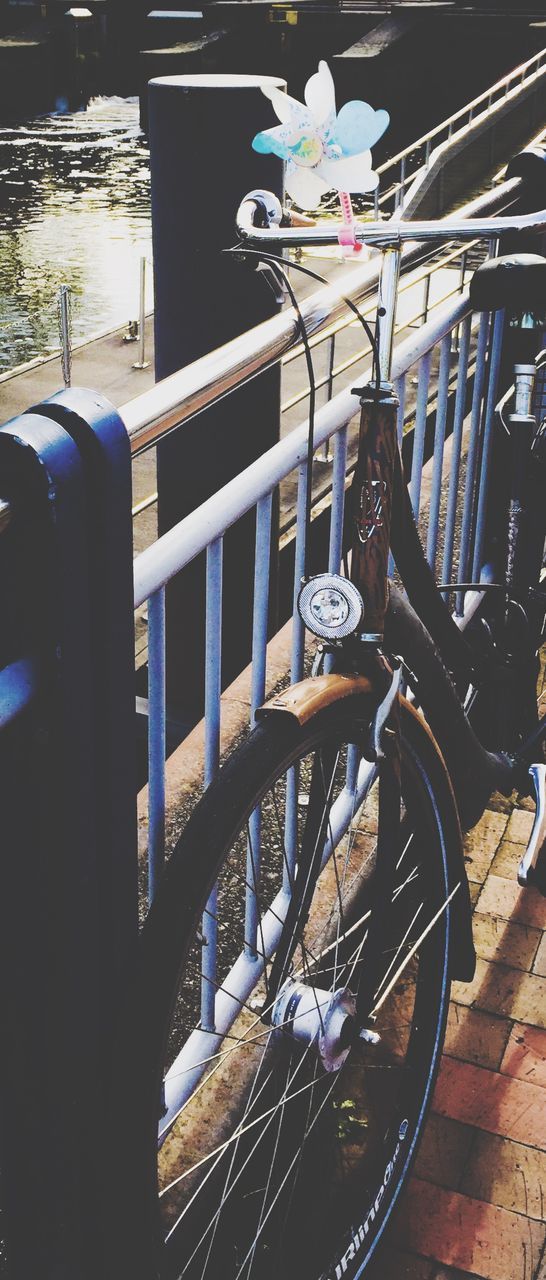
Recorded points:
(185, 887)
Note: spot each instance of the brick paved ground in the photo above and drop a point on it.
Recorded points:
(475, 1204)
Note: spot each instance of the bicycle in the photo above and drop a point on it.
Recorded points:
(312, 1064)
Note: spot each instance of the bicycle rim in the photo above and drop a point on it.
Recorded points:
(285, 1150)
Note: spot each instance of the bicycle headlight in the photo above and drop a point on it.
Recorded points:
(330, 606)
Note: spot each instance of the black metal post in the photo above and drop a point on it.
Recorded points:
(202, 163)
(67, 796)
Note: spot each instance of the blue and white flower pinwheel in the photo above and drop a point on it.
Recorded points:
(322, 149)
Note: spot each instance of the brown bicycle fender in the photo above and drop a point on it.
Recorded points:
(306, 699)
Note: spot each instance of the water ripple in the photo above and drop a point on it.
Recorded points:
(74, 209)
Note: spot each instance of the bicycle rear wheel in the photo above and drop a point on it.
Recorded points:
(286, 1135)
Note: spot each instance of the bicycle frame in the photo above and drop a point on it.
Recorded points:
(422, 626)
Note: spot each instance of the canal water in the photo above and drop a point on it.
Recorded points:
(74, 209)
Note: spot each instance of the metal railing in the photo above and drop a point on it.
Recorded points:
(397, 173)
(452, 509)
(449, 490)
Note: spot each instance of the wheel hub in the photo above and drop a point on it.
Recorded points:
(324, 1019)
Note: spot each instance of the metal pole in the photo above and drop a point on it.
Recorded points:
(326, 455)
(388, 293)
(142, 363)
(63, 304)
(426, 298)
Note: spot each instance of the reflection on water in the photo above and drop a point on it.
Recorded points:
(75, 209)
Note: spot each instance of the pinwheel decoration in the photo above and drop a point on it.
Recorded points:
(323, 149)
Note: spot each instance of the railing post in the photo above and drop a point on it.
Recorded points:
(142, 362)
(204, 297)
(69, 924)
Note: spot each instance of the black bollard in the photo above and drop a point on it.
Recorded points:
(202, 164)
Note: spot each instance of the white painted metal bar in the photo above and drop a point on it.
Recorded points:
(259, 659)
(457, 438)
(261, 600)
(156, 739)
(425, 365)
(338, 500)
(439, 441)
(472, 459)
(485, 464)
(213, 652)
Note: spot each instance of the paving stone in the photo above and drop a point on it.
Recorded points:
(498, 1103)
(501, 804)
(501, 897)
(453, 1273)
(507, 859)
(519, 826)
(476, 1036)
(525, 1055)
(509, 992)
(541, 1273)
(539, 965)
(471, 1235)
(481, 844)
(443, 1151)
(506, 1173)
(505, 940)
(391, 1264)
(475, 890)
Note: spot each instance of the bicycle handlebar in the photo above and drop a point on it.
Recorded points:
(383, 234)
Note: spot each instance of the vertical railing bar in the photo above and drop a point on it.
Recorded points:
(298, 629)
(494, 366)
(261, 601)
(156, 739)
(331, 362)
(439, 441)
(457, 435)
(257, 696)
(400, 393)
(298, 656)
(213, 658)
(455, 331)
(213, 677)
(472, 457)
(419, 431)
(330, 386)
(400, 193)
(426, 297)
(338, 499)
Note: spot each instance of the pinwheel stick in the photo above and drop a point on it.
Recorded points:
(347, 233)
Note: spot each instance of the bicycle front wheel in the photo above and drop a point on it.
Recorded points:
(288, 1116)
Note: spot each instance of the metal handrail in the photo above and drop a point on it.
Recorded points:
(156, 412)
(519, 75)
(384, 234)
(164, 558)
